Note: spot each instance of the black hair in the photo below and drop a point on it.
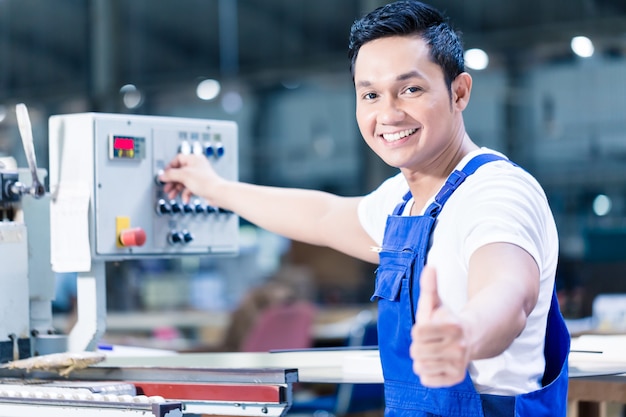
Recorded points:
(410, 18)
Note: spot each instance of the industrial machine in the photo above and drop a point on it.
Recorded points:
(27, 288)
(25, 313)
(106, 203)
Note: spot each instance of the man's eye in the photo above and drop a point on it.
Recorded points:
(413, 90)
(370, 96)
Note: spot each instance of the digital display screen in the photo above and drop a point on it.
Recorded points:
(125, 147)
(123, 144)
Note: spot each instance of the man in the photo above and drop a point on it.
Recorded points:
(463, 336)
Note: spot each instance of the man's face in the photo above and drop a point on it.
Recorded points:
(403, 106)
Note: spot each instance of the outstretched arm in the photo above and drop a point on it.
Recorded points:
(503, 288)
(308, 216)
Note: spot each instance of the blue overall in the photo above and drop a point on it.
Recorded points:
(403, 255)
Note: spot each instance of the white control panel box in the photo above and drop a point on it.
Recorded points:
(105, 192)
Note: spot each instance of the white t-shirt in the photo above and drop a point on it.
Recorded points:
(498, 203)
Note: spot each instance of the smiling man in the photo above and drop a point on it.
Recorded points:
(465, 240)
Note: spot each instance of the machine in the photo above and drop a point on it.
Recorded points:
(106, 204)
(25, 313)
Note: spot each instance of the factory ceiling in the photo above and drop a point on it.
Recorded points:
(55, 47)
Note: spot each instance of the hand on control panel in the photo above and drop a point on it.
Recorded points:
(189, 175)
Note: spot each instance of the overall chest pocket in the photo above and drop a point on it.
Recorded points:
(394, 269)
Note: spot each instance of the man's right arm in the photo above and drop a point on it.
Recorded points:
(309, 216)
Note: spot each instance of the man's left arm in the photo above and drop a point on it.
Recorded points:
(503, 289)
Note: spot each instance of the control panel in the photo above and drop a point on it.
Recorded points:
(110, 164)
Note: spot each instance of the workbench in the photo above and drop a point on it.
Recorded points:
(597, 368)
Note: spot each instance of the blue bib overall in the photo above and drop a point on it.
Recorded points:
(403, 255)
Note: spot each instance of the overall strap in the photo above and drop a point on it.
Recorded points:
(402, 204)
(456, 178)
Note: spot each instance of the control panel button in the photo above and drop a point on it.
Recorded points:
(157, 180)
(135, 236)
(176, 207)
(198, 208)
(175, 237)
(163, 207)
(184, 148)
(187, 236)
(197, 148)
(209, 151)
(219, 150)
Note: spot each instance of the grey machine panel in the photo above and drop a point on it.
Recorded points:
(123, 156)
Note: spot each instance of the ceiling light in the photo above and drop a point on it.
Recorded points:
(208, 89)
(602, 205)
(582, 46)
(131, 96)
(232, 102)
(476, 59)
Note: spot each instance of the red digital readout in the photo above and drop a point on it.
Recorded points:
(123, 143)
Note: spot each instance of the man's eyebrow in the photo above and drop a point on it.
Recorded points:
(401, 77)
(407, 75)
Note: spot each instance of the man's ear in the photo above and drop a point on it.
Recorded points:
(461, 91)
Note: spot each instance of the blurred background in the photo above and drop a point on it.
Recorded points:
(549, 91)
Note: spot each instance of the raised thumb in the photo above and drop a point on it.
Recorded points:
(429, 300)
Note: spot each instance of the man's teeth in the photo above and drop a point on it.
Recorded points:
(391, 137)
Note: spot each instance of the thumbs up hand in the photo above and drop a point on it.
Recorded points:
(439, 347)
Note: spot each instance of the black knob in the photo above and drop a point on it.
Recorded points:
(163, 207)
(210, 210)
(176, 207)
(187, 208)
(156, 178)
(175, 237)
(187, 236)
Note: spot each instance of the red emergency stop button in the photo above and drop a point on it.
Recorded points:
(135, 236)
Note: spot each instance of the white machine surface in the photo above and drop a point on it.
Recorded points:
(25, 315)
(14, 309)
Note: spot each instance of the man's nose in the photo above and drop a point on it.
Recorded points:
(390, 111)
